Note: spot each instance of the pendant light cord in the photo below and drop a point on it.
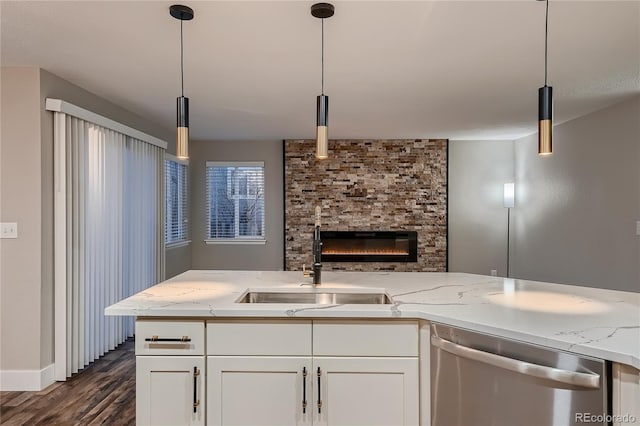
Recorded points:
(322, 59)
(546, 31)
(181, 61)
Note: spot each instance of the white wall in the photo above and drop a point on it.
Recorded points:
(238, 256)
(477, 219)
(576, 212)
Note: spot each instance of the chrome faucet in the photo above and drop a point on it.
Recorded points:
(316, 271)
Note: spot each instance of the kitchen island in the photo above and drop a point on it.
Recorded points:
(588, 321)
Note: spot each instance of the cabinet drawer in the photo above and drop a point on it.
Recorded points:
(169, 337)
(365, 338)
(266, 337)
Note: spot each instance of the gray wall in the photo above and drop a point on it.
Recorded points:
(21, 275)
(477, 219)
(178, 260)
(27, 198)
(237, 256)
(576, 213)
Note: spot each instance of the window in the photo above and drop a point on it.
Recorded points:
(235, 202)
(176, 230)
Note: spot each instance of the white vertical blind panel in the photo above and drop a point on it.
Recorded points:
(60, 245)
(109, 220)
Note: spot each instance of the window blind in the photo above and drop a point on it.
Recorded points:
(108, 235)
(176, 202)
(235, 201)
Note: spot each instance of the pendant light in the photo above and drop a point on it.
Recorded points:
(545, 101)
(182, 13)
(322, 11)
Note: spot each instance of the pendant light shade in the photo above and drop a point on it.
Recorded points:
(322, 11)
(322, 135)
(545, 125)
(182, 143)
(182, 13)
(545, 102)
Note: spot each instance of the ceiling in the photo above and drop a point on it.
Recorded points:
(415, 69)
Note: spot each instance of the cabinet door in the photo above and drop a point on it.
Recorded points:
(626, 395)
(366, 391)
(258, 391)
(170, 390)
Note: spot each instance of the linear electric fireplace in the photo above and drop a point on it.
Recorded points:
(369, 246)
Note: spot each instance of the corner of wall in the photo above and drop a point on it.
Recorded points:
(20, 179)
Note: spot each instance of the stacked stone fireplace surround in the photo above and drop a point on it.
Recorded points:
(368, 185)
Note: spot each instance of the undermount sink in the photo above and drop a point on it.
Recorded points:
(316, 298)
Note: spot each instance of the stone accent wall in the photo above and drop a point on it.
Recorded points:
(379, 185)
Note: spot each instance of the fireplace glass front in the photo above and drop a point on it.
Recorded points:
(369, 246)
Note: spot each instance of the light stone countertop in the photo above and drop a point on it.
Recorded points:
(589, 321)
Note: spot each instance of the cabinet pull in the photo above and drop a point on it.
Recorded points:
(165, 339)
(319, 393)
(196, 401)
(304, 390)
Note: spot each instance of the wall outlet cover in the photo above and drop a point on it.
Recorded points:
(9, 230)
(494, 272)
(638, 227)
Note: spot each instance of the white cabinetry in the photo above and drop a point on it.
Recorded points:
(278, 372)
(369, 372)
(168, 389)
(357, 372)
(255, 391)
(255, 372)
(170, 370)
(626, 395)
(367, 391)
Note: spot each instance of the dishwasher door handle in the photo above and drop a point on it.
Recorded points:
(585, 380)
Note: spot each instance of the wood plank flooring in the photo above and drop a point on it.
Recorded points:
(102, 394)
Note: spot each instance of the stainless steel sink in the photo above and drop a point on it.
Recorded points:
(319, 298)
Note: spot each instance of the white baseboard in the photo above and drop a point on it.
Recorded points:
(26, 380)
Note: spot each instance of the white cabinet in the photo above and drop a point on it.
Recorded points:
(626, 395)
(274, 391)
(366, 391)
(170, 372)
(255, 391)
(170, 390)
(369, 372)
(255, 372)
(277, 372)
(358, 373)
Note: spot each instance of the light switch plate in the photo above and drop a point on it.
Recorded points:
(9, 230)
(638, 227)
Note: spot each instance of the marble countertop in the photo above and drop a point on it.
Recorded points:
(589, 321)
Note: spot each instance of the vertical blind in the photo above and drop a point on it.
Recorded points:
(108, 235)
(235, 201)
(176, 202)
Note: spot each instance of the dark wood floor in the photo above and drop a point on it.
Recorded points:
(102, 394)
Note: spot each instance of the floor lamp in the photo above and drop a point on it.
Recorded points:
(508, 202)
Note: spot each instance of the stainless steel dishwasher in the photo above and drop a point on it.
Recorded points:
(478, 380)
